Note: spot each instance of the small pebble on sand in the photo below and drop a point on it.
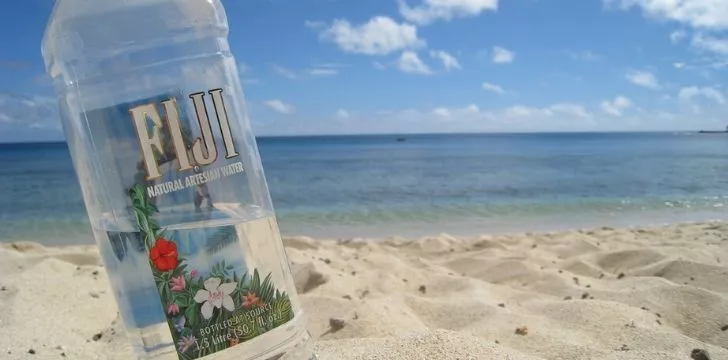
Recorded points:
(699, 354)
(364, 294)
(336, 324)
(523, 330)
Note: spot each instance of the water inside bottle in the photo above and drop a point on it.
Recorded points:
(239, 243)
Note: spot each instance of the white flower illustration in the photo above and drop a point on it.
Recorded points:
(215, 295)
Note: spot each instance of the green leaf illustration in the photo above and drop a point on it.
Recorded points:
(191, 315)
(283, 310)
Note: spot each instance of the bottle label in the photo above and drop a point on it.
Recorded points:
(211, 297)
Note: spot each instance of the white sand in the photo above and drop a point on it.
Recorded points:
(432, 298)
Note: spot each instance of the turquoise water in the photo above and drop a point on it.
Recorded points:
(462, 184)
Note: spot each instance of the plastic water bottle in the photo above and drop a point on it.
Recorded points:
(153, 112)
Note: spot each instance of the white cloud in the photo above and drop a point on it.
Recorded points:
(378, 65)
(678, 65)
(430, 11)
(710, 44)
(643, 78)
(570, 109)
(319, 70)
(379, 36)
(314, 24)
(493, 88)
(26, 118)
(448, 61)
(502, 55)
(280, 106)
(342, 114)
(706, 14)
(617, 106)
(243, 68)
(472, 109)
(520, 111)
(245, 73)
(584, 55)
(442, 112)
(562, 116)
(555, 110)
(410, 63)
(688, 93)
(285, 72)
(677, 36)
(322, 71)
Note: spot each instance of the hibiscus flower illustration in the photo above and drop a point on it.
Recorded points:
(164, 255)
(215, 295)
(250, 300)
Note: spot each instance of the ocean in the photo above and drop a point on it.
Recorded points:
(415, 185)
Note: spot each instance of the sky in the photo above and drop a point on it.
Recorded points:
(413, 66)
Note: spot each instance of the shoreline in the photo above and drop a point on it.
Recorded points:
(601, 293)
(469, 227)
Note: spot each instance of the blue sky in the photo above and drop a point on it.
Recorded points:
(389, 66)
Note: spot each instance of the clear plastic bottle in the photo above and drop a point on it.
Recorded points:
(153, 112)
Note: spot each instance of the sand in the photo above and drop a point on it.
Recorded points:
(617, 294)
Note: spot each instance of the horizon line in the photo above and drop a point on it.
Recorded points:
(415, 134)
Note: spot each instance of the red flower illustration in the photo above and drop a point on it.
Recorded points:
(250, 300)
(164, 255)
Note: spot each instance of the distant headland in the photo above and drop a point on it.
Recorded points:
(714, 131)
